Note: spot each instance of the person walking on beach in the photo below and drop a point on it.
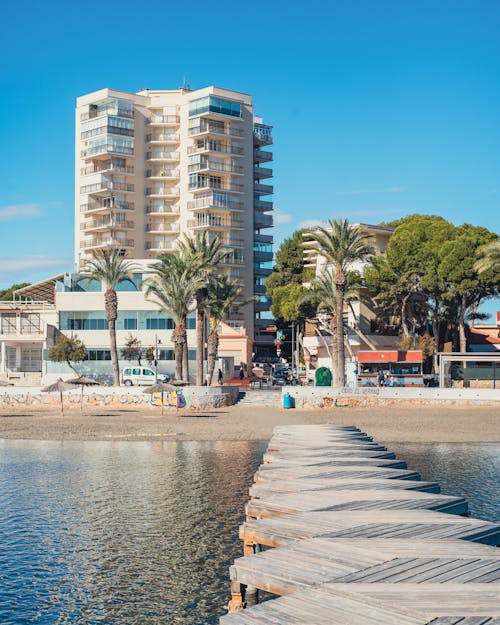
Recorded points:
(381, 378)
(220, 377)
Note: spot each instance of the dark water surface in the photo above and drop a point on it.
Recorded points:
(143, 533)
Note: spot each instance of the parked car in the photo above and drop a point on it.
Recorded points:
(142, 376)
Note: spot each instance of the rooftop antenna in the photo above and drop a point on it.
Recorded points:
(185, 85)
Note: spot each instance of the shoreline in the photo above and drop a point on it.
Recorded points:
(415, 424)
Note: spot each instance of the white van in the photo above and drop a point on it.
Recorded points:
(138, 376)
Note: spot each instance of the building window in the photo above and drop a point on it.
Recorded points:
(214, 105)
(159, 323)
(130, 324)
(98, 354)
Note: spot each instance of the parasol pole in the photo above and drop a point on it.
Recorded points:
(62, 405)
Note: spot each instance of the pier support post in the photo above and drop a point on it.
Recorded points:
(251, 592)
(237, 602)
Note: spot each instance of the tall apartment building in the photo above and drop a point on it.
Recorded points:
(153, 165)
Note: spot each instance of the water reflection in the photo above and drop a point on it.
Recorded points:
(120, 533)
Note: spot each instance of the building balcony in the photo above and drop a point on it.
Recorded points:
(160, 138)
(162, 155)
(263, 189)
(107, 224)
(263, 256)
(216, 147)
(211, 166)
(259, 173)
(105, 167)
(104, 151)
(204, 185)
(262, 306)
(263, 238)
(262, 156)
(107, 242)
(205, 127)
(106, 185)
(262, 221)
(262, 135)
(163, 192)
(161, 174)
(262, 272)
(232, 260)
(164, 120)
(262, 206)
(166, 210)
(96, 207)
(160, 246)
(209, 219)
(214, 201)
(259, 289)
(162, 227)
(111, 110)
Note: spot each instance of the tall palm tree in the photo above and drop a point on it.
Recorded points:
(222, 294)
(204, 253)
(173, 286)
(342, 244)
(489, 257)
(110, 267)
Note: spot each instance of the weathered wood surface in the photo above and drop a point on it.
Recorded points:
(364, 560)
(360, 539)
(410, 524)
(298, 485)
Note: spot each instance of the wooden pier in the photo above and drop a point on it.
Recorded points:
(342, 533)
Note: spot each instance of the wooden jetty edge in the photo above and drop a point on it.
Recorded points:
(342, 533)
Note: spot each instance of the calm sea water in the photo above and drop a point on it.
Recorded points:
(143, 533)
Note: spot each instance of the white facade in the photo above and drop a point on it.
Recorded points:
(153, 165)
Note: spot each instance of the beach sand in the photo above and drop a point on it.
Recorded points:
(394, 424)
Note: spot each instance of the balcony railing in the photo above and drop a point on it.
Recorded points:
(262, 221)
(130, 206)
(163, 210)
(108, 224)
(107, 149)
(263, 189)
(217, 147)
(164, 119)
(117, 112)
(262, 205)
(207, 219)
(163, 227)
(162, 155)
(160, 245)
(106, 186)
(217, 128)
(262, 172)
(261, 156)
(213, 201)
(162, 173)
(262, 134)
(163, 192)
(208, 184)
(108, 242)
(214, 166)
(169, 137)
(96, 169)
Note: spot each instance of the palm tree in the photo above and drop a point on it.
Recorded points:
(110, 267)
(489, 257)
(173, 286)
(222, 294)
(204, 253)
(342, 244)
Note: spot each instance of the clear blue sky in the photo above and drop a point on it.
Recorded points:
(380, 108)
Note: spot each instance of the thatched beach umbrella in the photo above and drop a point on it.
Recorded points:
(59, 387)
(160, 387)
(82, 381)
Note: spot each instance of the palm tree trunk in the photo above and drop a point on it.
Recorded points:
(461, 325)
(340, 284)
(185, 354)
(200, 317)
(111, 308)
(178, 349)
(404, 323)
(212, 349)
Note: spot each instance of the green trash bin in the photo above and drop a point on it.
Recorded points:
(323, 377)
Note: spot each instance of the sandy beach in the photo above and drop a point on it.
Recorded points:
(394, 424)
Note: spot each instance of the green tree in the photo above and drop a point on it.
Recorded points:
(68, 349)
(342, 244)
(466, 288)
(285, 304)
(173, 286)
(132, 350)
(204, 254)
(7, 295)
(222, 293)
(109, 266)
(289, 265)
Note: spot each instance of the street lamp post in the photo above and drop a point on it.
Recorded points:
(157, 342)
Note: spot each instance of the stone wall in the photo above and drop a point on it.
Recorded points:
(196, 397)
